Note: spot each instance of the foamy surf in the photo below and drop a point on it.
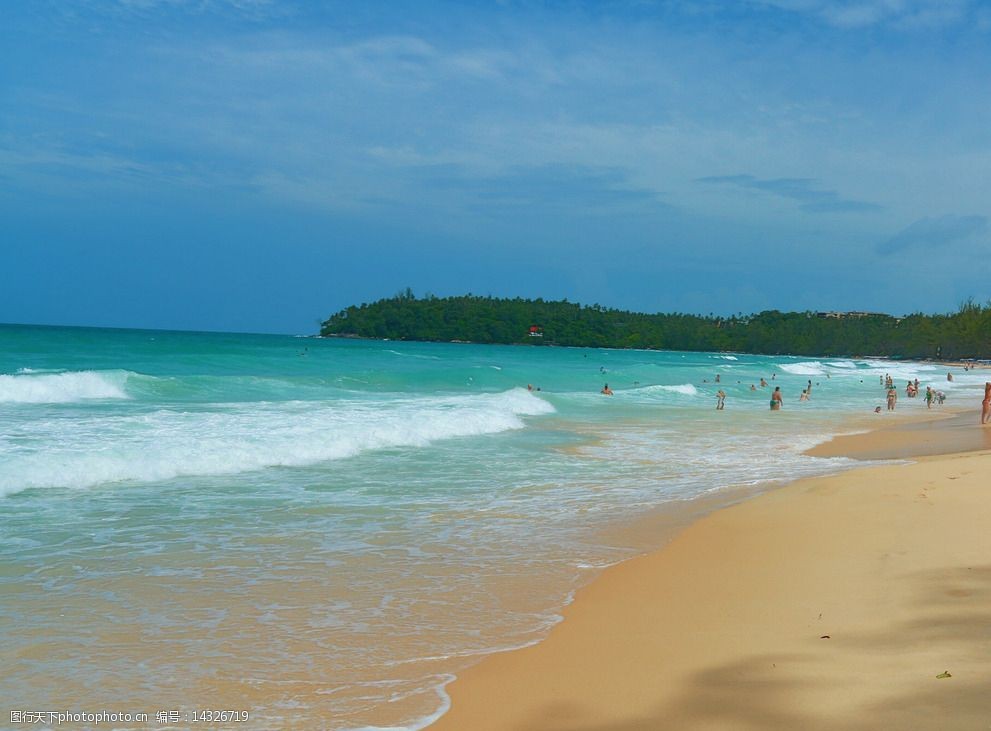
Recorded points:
(39, 387)
(808, 368)
(418, 724)
(167, 444)
(684, 389)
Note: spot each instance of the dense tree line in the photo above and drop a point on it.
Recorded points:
(962, 334)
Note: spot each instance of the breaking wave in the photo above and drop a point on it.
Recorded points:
(40, 387)
(166, 443)
(686, 389)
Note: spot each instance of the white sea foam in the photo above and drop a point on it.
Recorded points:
(726, 357)
(685, 389)
(444, 705)
(901, 370)
(165, 444)
(805, 368)
(413, 355)
(33, 387)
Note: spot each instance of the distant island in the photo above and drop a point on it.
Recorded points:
(964, 334)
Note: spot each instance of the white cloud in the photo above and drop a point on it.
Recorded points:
(903, 14)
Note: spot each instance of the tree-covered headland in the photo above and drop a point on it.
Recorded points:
(965, 333)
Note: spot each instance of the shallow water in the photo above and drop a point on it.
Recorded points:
(324, 531)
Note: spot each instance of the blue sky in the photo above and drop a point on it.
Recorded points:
(255, 166)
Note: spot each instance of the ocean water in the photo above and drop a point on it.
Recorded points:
(324, 532)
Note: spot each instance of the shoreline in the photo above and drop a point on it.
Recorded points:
(927, 435)
(973, 363)
(682, 637)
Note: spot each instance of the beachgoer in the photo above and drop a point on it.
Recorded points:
(986, 404)
(930, 395)
(940, 397)
(804, 396)
(720, 399)
(753, 387)
(809, 389)
(877, 409)
(763, 383)
(717, 378)
(776, 399)
(949, 376)
(892, 397)
(606, 390)
(529, 387)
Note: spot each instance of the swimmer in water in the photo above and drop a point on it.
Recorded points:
(606, 390)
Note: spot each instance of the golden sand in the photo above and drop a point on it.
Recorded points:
(831, 603)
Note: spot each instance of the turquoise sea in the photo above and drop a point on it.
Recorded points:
(323, 531)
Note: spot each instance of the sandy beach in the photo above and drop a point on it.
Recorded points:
(831, 603)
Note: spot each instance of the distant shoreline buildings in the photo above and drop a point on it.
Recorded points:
(853, 313)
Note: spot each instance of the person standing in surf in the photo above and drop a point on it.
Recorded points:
(776, 399)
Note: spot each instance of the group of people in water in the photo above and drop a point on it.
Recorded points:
(932, 395)
(777, 399)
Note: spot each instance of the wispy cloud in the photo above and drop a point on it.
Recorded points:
(578, 188)
(253, 8)
(394, 61)
(903, 14)
(805, 191)
(936, 232)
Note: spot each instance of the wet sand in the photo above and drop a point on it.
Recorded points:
(831, 603)
(932, 434)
